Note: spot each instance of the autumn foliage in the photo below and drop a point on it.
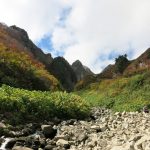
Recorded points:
(19, 69)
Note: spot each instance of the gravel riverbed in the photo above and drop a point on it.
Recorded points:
(104, 130)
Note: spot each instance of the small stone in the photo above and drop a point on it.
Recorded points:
(49, 147)
(82, 137)
(2, 125)
(63, 143)
(125, 125)
(117, 113)
(103, 127)
(64, 137)
(95, 127)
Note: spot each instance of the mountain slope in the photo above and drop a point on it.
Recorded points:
(18, 66)
(120, 94)
(128, 91)
(15, 37)
(62, 70)
(139, 65)
(80, 70)
(108, 72)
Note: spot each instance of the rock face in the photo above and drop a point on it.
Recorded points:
(80, 70)
(62, 70)
(103, 131)
(23, 38)
(22, 63)
(15, 36)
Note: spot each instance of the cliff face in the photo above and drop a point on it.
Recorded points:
(37, 52)
(15, 38)
(62, 70)
(80, 70)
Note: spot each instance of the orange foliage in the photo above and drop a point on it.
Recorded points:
(19, 69)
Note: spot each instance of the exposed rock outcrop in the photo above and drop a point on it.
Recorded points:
(80, 70)
(62, 70)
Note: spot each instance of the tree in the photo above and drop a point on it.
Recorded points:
(121, 63)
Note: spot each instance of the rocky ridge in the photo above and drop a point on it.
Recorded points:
(104, 130)
(81, 70)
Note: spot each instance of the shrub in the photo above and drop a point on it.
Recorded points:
(129, 94)
(24, 105)
(19, 69)
(121, 63)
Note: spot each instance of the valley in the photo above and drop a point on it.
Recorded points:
(47, 103)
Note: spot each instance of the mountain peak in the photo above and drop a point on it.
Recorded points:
(21, 31)
(62, 70)
(77, 63)
(81, 70)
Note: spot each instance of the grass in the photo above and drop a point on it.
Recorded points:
(121, 94)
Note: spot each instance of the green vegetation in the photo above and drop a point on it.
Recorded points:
(20, 105)
(62, 70)
(19, 69)
(121, 63)
(129, 94)
(85, 82)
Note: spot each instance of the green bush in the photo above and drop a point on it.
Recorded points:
(129, 94)
(121, 63)
(24, 105)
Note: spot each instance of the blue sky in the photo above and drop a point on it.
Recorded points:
(47, 46)
(93, 32)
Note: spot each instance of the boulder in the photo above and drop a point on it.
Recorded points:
(63, 143)
(10, 144)
(48, 131)
(21, 148)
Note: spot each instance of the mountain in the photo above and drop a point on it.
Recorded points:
(14, 36)
(123, 86)
(139, 65)
(80, 70)
(128, 68)
(22, 63)
(16, 39)
(108, 72)
(62, 70)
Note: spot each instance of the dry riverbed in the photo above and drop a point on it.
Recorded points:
(104, 130)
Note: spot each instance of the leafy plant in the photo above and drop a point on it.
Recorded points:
(121, 63)
(19, 69)
(20, 105)
(129, 94)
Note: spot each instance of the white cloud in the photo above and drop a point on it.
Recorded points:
(92, 31)
(37, 17)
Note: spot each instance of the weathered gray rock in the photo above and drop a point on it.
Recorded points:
(95, 127)
(109, 131)
(48, 131)
(49, 147)
(10, 144)
(21, 148)
(2, 125)
(63, 143)
(82, 137)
